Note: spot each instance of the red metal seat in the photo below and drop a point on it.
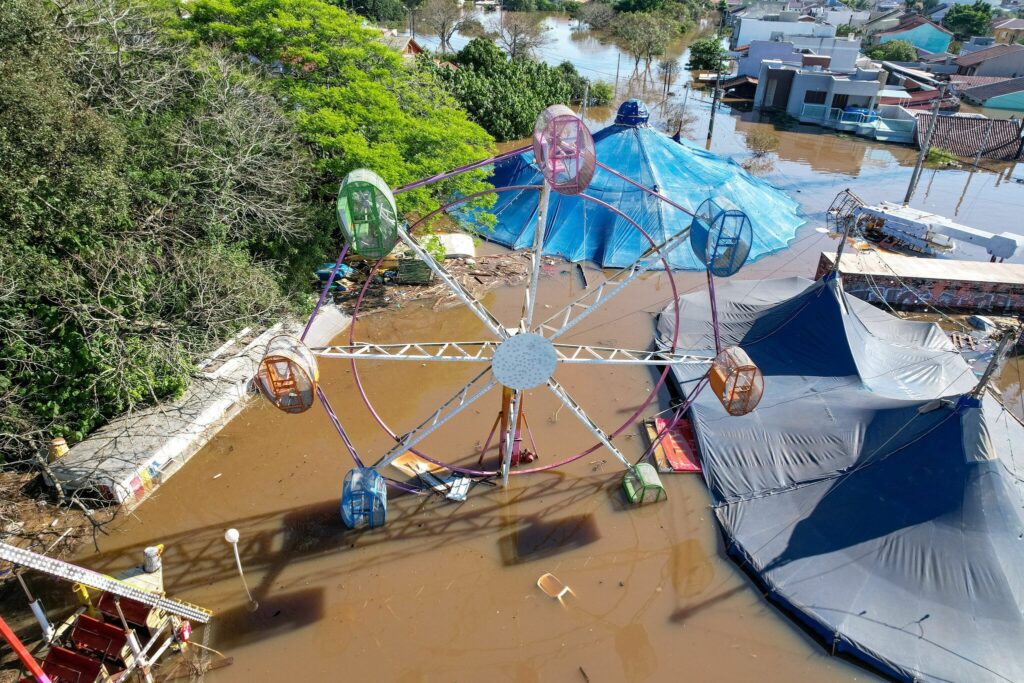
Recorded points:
(96, 638)
(65, 666)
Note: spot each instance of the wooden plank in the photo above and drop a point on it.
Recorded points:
(678, 445)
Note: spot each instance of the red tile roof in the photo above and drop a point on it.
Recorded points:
(963, 135)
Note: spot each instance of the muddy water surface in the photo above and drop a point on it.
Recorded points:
(447, 592)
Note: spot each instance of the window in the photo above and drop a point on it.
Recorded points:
(815, 97)
(840, 101)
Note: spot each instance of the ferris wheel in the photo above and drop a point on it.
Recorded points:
(527, 354)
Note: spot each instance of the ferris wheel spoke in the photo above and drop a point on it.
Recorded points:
(588, 302)
(530, 304)
(570, 353)
(471, 302)
(515, 407)
(449, 409)
(472, 351)
(572, 405)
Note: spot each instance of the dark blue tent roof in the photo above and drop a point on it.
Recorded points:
(888, 522)
(583, 231)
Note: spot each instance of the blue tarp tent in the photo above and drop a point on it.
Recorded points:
(869, 494)
(584, 231)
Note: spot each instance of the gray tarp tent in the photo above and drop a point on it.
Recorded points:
(888, 522)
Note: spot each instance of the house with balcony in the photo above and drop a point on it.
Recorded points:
(847, 102)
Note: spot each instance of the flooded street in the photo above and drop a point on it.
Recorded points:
(446, 591)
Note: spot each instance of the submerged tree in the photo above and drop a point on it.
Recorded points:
(706, 53)
(595, 14)
(642, 36)
(445, 18)
(521, 33)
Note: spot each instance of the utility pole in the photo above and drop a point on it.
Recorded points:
(618, 63)
(926, 145)
(996, 361)
(718, 81)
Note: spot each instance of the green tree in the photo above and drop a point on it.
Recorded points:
(504, 95)
(893, 51)
(144, 185)
(643, 36)
(380, 10)
(969, 20)
(356, 103)
(595, 15)
(706, 54)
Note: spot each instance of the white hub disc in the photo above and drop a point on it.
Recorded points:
(524, 361)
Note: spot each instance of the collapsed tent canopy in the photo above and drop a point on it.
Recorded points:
(886, 521)
(581, 230)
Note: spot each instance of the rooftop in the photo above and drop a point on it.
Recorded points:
(1010, 23)
(1002, 87)
(988, 53)
(913, 22)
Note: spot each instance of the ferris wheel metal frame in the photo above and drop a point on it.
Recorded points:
(526, 354)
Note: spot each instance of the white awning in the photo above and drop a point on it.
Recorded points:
(894, 92)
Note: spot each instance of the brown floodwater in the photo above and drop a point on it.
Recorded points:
(447, 592)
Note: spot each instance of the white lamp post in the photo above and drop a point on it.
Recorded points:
(231, 536)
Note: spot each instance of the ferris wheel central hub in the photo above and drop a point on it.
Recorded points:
(524, 361)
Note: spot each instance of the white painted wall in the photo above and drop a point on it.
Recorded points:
(750, 30)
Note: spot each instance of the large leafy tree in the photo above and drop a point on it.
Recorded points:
(356, 103)
(145, 183)
(893, 51)
(969, 20)
(706, 53)
(505, 95)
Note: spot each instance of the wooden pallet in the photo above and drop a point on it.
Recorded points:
(677, 452)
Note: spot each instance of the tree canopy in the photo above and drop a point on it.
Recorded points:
(969, 20)
(505, 95)
(146, 187)
(893, 51)
(706, 53)
(354, 101)
(170, 181)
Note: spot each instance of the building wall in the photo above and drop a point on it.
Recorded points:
(925, 36)
(843, 17)
(843, 51)
(750, 30)
(1010, 66)
(1013, 101)
(974, 297)
(760, 50)
(1009, 35)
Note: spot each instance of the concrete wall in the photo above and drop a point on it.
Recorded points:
(760, 50)
(1009, 65)
(925, 36)
(750, 30)
(843, 51)
(843, 17)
